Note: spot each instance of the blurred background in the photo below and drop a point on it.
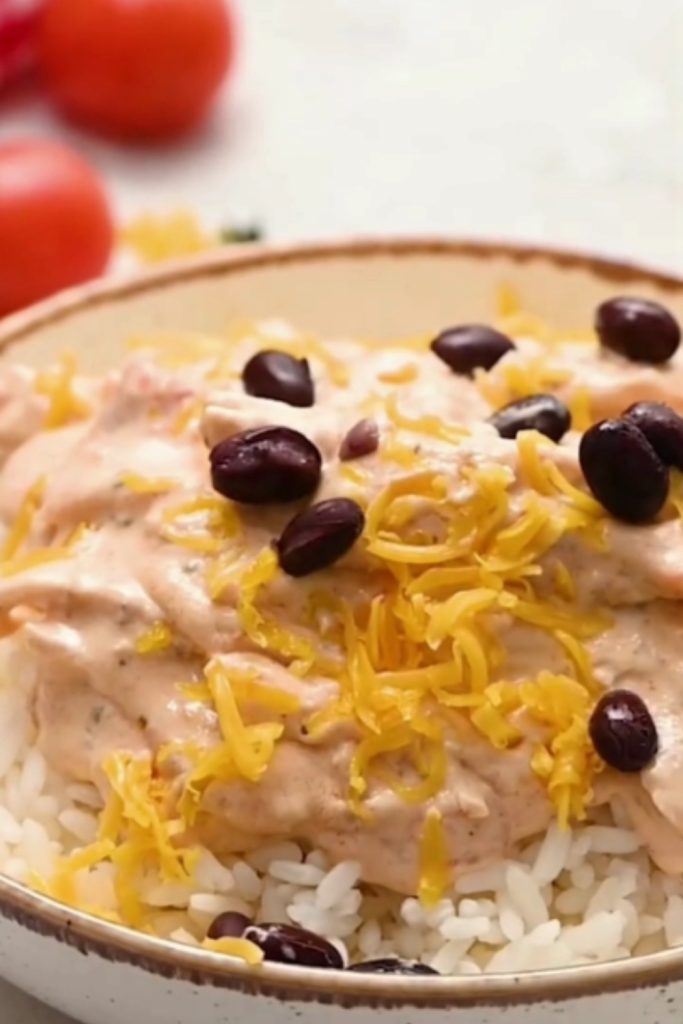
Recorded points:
(541, 120)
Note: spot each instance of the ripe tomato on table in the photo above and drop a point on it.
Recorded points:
(137, 69)
(18, 31)
(56, 229)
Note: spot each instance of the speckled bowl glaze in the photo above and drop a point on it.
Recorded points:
(103, 974)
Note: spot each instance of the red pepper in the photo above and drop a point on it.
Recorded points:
(18, 23)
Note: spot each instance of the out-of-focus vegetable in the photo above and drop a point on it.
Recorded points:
(55, 224)
(145, 70)
(18, 24)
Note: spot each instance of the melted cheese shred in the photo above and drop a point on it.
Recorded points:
(522, 376)
(157, 639)
(21, 528)
(147, 484)
(136, 834)
(16, 558)
(435, 870)
(57, 384)
(245, 750)
(201, 524)
(242, 949)
(142, 826)
(264, 632)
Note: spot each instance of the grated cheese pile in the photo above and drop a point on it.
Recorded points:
(427, 647)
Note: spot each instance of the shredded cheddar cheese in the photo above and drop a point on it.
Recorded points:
(21, 528)
(507, 300)
(155, 238)
(676, 493)
(32, 560)
(147, 484)
(242, 949)
(157, 639)
(430, 426)
(187, 416)
(37, 557)
(245, 751)
(435, 873)
(516, 320)
(354, 474)
(524, 374)
(580, 409)
(401, 375)
(203, 524)
(426, 646)
(264, 632)
(135, 833)
(403, 454)
(249, 690)
(57, 384)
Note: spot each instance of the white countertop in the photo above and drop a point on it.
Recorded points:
(539, 120)
(532, 119)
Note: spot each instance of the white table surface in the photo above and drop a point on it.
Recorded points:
(542, 120)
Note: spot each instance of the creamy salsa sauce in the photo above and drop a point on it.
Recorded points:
(422, 704)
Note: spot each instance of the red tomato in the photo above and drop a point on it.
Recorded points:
(18, 30)
(55, 225)
(138, 69)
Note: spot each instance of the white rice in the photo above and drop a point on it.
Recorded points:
(572, 897)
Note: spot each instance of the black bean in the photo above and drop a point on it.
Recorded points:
(544, 413)
(663, 428)
(639, 329)
(230, 925)
(471, 347)
(624, 471)
(362, 439)
(320, 535)
(286, 944)
(623, 732)
(266, 465)
(277, 375)
(392, 965)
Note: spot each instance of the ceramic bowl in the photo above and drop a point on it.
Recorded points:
(103, 974)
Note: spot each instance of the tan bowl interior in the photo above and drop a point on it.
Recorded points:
(373, 289)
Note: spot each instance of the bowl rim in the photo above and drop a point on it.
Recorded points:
(221, 261)
(117, 943)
